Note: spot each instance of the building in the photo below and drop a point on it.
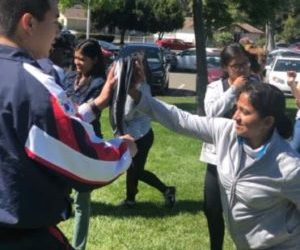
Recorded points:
(241, 30)
(74, 18)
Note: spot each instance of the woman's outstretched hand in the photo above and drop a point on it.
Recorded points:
(103, 99)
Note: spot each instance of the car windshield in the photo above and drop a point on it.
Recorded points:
(153, 54)
(287, 65)
(187, 53)
(214, 60)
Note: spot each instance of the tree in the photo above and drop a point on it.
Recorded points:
(267, 13)
(88, 4)
(223, 38)
(291, 29)
(201, 79)
(146, 16)
(215, 15)
(69, 3)
(168, 16)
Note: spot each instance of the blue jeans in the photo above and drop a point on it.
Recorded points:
(82, 218)
(295, 143)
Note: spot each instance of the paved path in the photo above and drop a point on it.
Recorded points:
(182, 84)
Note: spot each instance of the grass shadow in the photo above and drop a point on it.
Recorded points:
(190, 107)
(180, 92)
(146, 209)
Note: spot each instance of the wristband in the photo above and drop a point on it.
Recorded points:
(94, 108)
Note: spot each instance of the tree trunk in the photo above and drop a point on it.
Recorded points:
(122, 38)
(201, 79)
(270, 36)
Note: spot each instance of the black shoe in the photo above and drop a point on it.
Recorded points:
(128, 203)
(170, 196)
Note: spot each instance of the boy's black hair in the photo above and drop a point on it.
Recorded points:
(12, 10)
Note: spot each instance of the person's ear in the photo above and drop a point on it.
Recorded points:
(27, 22)
(269, 121)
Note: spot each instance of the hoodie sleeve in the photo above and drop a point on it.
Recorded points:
(58, 140)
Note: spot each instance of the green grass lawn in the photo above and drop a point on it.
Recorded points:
(151, 226)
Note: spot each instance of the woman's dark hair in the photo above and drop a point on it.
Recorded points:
(268, 100)
(142, 57)
(233, 50)
(12, 10)
(92, 49)
(230, 52)
(62, 50)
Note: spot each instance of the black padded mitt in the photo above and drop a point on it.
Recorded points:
(124, 72)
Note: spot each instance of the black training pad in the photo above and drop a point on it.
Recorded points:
(124, 71)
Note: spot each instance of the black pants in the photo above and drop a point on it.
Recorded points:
(33, 239)
(137, 170)
(213, 208)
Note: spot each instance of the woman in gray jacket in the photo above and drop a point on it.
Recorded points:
(220, 98)
(259, 172)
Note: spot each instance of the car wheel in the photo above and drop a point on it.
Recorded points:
(173, 65)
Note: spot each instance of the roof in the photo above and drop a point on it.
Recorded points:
(249, 28)
(291, 58)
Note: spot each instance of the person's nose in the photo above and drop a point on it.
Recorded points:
(77, 62)
(236, 115)
(242, 69)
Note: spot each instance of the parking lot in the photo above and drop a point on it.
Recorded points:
(182, 83)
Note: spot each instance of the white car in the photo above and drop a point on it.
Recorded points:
(277, 75)
(284, 52)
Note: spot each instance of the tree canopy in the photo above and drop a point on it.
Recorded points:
(168, 15)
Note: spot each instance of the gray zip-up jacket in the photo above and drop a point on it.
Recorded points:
(261, 202)
(217, 103)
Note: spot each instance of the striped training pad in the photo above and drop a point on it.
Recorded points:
(124, 72)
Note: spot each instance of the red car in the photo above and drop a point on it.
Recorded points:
(174, 44)
(109, 56)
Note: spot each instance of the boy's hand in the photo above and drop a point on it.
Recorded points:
(291, 78)
(131, 144)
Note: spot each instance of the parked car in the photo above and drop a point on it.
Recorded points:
(281, 45)
(109, 50)
(186, 60)
(174, 44)
(109, 46)
(281, 52)
(158, 64)
(295, 46)
(277, 75)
